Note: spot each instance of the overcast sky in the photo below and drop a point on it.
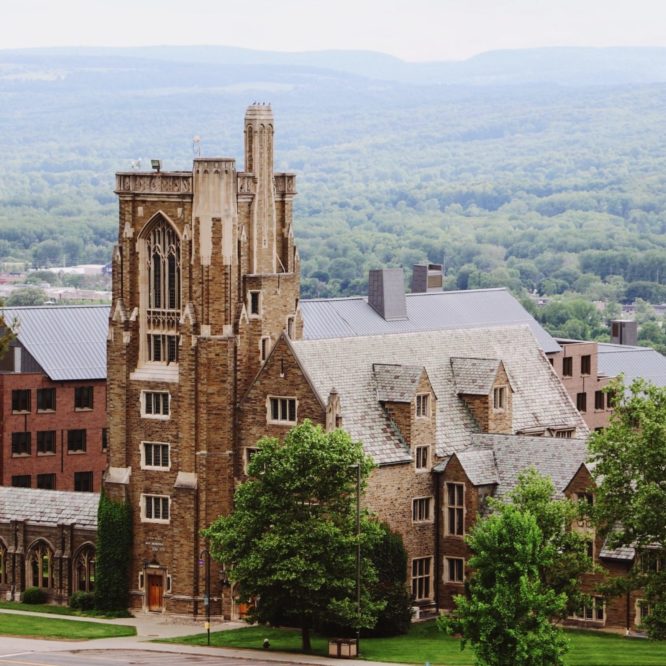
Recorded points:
(409, 29)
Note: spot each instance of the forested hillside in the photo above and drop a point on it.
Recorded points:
(537, 186)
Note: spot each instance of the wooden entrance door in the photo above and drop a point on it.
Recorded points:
(155, 590)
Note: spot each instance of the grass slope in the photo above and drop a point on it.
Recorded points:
(51, 609)
(28, 625)
(425, 643)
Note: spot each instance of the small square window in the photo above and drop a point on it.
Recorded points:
(46, 441)
(21, 400)
(567, 366)
(255, 303)
(22, 481)
(282, 410)
(83, 397)
(454, 569)
(156, 404)
(46, 481)
(156, 508)
(421, 457)
(585, 364)
(76, 441)
(46, 400)
(83, 482)
(156, 455)
(21, 443)
(163, 348)
(421, 512)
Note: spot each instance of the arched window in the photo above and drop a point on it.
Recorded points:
(84, 569)
(40, 566)
(163, 301)
(3, 563)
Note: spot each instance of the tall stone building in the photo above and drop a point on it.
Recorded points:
(205, 280)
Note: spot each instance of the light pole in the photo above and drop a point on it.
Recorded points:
(206, 553)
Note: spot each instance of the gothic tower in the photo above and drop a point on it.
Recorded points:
(205, 279)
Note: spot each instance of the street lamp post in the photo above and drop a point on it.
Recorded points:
(206, 553)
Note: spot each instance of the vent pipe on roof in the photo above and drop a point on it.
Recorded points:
(386, 293)
(624, 332)
(428, 277)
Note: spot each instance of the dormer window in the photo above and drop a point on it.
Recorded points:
(423, 405)
(499, 397)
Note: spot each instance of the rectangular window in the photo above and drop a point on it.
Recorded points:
(249, 453)
(282, 410)
(162, 348)
(255, 303)
(599, 401)
(421, 509)
(155, 403)
(643, 610)
(105, 439)
(567, 366)
(455, 509)
(290, 328)
(46, 400)
(265, 348)
(21, 400)
(564, 434)
(423, 405)
(76, 441)
(421, 578)
(21, 443)
(594, 610)
(46, 441)
(21, 481)
(454, 569)
(499, 397)
(156, 455)
(156, 508)
(421, 457)
(83, 397)
(611, 399)
(83, 482)
(581, 402)
(652, 561)
(46, 481)
(585, 364)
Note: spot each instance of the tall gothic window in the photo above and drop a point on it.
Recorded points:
(84, 569)
(163, 267)
(40, 563)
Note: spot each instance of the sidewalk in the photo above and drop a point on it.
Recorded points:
(150, 626)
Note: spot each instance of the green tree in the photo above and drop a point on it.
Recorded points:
(630, 467)
(290, 542)
(113, 554)
(27, 296)
(507, 614)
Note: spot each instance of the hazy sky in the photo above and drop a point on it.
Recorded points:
(409, 29)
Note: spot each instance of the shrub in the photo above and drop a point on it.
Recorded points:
(82, 601)
(33, 595)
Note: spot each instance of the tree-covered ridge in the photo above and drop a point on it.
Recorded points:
(546, 187)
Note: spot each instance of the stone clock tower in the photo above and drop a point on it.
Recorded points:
(205, 280)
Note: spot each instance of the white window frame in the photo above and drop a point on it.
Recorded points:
(422, 405)
(257, 314)
(638, 611)
(499, 398)
(417, 466)
(422, 510)
(144, 517)
(248, 452)
(581, 616)
(159, 468)
(279, 421)
(421, 576)
(148, 415)
(448, 532)
(447, 577)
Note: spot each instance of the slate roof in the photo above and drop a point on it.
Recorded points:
(479, 465)
(474, 376)
(433, 311)
(539, 398)
(396, 383)
(624, 553)
(634, 362)
(68, 342)
(48, 507)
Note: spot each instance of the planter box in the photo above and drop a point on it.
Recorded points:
(344, 648)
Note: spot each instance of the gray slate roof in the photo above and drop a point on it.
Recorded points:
(474, 376)
(539, 398)
(68, 342)
(48, 507)
(397, 383)
(479, 465)
(434, 311)
(634, 362)
(623, 553)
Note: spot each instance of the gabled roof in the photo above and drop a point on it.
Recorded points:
(539, 398)
(479, 465)
(633, 362)
(68, 342)
(474, 376)
(48, 507)
(433, 311)
(396, 383)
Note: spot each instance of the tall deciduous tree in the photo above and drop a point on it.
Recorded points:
(290, 543)
(630, 466)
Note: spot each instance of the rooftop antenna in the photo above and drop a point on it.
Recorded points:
(196, 145)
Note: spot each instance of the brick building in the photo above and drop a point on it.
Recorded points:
(53, 398)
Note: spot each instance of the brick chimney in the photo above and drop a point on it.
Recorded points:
(386, 293)
(427, 277)
(624, 332)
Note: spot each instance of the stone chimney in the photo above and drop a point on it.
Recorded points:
(386, 293)
(624, 332)
(428, 277)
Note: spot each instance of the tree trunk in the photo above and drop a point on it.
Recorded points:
(305, 635)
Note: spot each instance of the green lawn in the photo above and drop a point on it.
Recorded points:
(47, 627)
(425, 643)
(52, 609)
